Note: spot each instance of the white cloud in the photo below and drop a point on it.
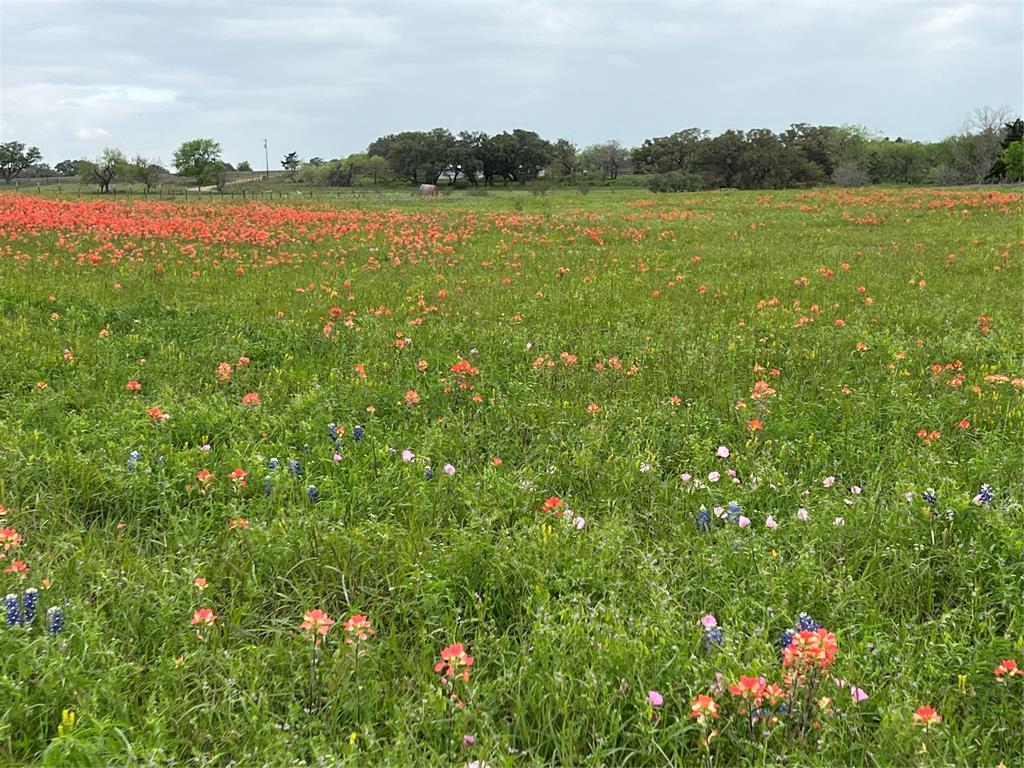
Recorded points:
(948, 19)
(91, 134)
(948, 27)
(302, 24)
(119, 95)
(56, 33)
(604, 27)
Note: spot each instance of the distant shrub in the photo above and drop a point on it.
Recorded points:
(674, 181)
(1013, 161)
(850, 175)
(945, 176)
(629, 181)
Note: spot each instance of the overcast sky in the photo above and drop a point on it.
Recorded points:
(326, 78)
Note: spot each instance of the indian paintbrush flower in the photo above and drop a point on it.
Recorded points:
(316, 622)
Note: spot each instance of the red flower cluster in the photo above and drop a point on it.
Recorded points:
(809, 651)
(10, 538)
(1007, 668)
(464, 371)
(702, 708)
(762, 390)
(454, 665)
(554, 504)
(756, 690)
(925, 716)
(357, 628)
(317, 623)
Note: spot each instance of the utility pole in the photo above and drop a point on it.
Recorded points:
(266, 155)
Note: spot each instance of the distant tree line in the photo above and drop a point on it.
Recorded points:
(198, 159)
(989, 149)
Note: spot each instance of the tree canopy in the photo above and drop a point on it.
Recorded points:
(15, 157)
(110, 165)
(199, 158)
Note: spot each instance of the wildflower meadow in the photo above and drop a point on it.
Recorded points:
(717, 479)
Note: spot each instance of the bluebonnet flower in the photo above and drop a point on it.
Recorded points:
(930, 496)
(734, 512)
(133, 460)
(295, 467)
(357, 432)
(985, 494)
(332, 431)
(713, 636)
(786, 639)
(274, 463)
(703, 519)
(804, 623)
(31, 602)
(54, 620)
(313, 493)
(13, 606)
(428, 473)
(268, 484)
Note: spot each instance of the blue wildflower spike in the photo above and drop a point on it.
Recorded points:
(30, 601)
(930, 496)
(428, 473)
(295, 467)
(734, 512)
(273, 464)
(985, 494)
(804, 623)
(357, 433)
(332, 431)
(786, 639)
(313, 493)
(703, 520)
(13, 607)
(713, 636)
(54, 620)
(133, 460)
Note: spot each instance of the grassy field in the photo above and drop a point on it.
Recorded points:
(613, 445)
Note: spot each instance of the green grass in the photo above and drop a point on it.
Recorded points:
(569, 628)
